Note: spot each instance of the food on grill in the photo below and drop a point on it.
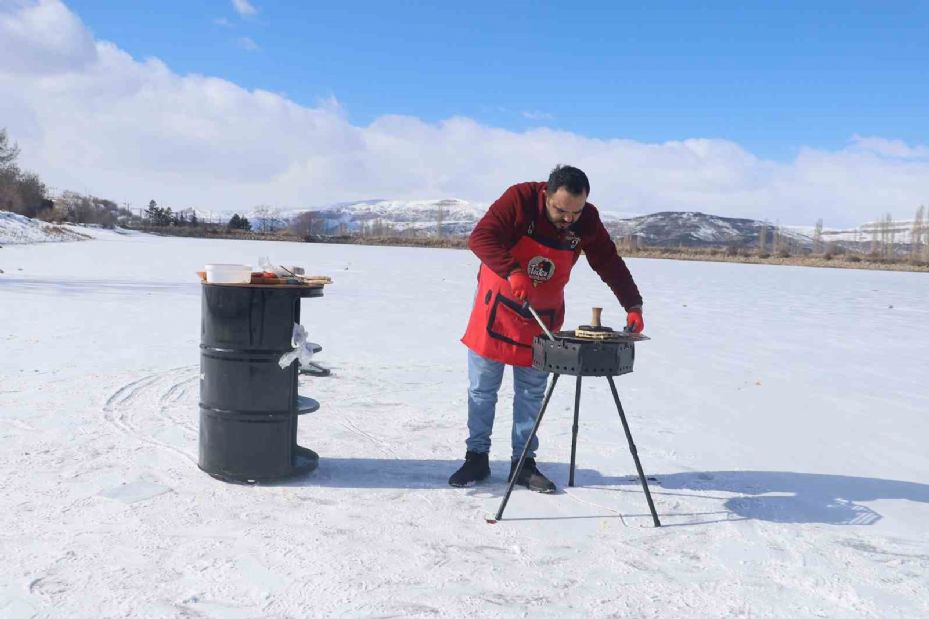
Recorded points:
(594, 331)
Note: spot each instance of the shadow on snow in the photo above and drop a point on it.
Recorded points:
(772, 496)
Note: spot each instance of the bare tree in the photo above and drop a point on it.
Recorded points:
(267, 219)
(308, 223)
(778, 240)
(8, 152)
(302, 224)
(32, 192)
(883, 237)
(20, 192)
(261, 215)
(10, 200)
(926, 238)
(917, 235)
(439, 220)
(818, 237)
(763, 238)
(892, 235)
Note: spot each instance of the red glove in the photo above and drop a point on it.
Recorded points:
(634, 322)
(521, 285)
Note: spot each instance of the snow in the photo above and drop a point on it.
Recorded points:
(458, 216)
(16, 229)
(676, 227)
(99, 232)
(781, 409)
(901, 231)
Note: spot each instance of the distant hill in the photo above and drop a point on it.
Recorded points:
(663, 229)
(458, 218)
(691, 229)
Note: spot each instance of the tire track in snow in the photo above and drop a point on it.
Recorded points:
(154, 393)
(351, 427)
(174, 398)
(572, 496)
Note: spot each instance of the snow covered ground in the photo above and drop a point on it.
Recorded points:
(15, 229)
(783, 411)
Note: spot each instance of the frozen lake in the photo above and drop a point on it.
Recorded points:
(782, 410)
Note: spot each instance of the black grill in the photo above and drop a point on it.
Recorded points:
(575, 356)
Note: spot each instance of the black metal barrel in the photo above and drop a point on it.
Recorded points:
(248, 404)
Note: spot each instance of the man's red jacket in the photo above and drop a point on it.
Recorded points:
(508, 219)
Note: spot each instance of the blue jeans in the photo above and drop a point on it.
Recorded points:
(484, 378)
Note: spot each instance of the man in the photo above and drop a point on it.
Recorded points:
(528, 242)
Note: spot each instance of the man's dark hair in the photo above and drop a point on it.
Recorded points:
(571, 178)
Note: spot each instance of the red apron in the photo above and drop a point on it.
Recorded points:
(499, 327)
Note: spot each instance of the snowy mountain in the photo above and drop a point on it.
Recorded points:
(423, 218)
(458, 218)
(419, 217)
(699, 229)
(664, 229)
(380, 217)
(896, 231)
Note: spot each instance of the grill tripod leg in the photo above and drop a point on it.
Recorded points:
(522, 458)
(635, 454)
(577, 410)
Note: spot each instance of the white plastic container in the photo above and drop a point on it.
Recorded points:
(228, 273)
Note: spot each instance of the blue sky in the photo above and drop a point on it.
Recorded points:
(770, 76)
(791, 114)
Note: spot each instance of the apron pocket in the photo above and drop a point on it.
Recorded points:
(510, 323)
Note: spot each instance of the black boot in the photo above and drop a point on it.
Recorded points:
(476, 468)
(531, 477)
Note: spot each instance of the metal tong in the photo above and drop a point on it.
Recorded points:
(539, 320)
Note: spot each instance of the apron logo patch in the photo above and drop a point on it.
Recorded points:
(541, 269)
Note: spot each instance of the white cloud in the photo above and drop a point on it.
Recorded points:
(536, 115)
(90, 117)
(244, 7)
(44, 38)
(248, 43)
(889, 148)
(223, 22)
